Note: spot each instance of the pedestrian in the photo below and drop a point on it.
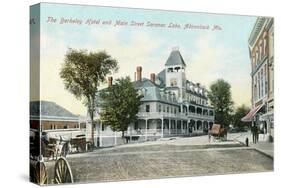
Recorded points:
(253, 134)
(257, 134)
(247, 141)
(210, 134)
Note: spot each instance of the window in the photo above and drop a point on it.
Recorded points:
(257, 57)
(170, 69)
(264, 46)
(136, 127)
(265, 79)
(262, 89)
(173, 82)
(259, 86)
(102, 127)
(65, 126)
(175, 110)
(168, 110)
(256, 89)
(261, 51)
(147, 108)
(159, 108)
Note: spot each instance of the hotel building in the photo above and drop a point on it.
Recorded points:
(171, 105)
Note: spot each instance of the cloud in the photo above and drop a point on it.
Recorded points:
(136, 49)
(212, 61)
(208, 61)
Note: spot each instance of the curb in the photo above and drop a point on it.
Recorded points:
(260, 151)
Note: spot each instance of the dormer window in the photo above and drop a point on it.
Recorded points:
(142, 92)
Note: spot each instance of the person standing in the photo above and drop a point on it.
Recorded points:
(253, 133)
(257, 134)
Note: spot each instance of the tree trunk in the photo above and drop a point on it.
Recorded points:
(123, 138)
(92, 128)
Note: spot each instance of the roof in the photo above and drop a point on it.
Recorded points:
(258, 26)
(153, 92)
(162, 78)
(175, 58)
(143, 83)
(50, 110)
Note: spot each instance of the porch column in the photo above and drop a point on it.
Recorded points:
(146, 129)
(100, 128)
(162, 128)
(181, 126)
(115, 138)
(169, 126)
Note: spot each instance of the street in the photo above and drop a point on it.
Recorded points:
(166, 158)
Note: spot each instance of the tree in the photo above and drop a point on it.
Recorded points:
(82, 72)
(120, 105)
(238, 115)
(220, 99)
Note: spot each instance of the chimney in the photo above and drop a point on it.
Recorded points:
(109, 81)
(152, 77)
(139, 69)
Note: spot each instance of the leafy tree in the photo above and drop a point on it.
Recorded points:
(120, 104)
(220, 99)
(238, 115)
(82, 72)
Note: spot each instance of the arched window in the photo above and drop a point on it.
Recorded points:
(261, 51)
(257, 56)
(262, 83)
(264, 46)
(265, 79)
(254, 61)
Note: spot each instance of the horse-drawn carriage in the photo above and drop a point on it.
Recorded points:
(79, 143)
(218, 132)
(55, 147)
(49, 148)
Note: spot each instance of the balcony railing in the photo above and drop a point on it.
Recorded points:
(173, 115)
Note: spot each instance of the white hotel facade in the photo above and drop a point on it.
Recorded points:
(171, 106)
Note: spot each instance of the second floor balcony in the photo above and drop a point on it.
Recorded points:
(179, 115)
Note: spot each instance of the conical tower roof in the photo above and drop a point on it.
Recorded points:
(175, 58)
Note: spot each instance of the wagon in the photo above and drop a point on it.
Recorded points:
(38, 169)
(39, 172)
(79, 143)
(218, 132)
(54, 148)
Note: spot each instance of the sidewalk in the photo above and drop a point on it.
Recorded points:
(263, 146)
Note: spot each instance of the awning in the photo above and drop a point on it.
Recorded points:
(250, 114)
(268, 116)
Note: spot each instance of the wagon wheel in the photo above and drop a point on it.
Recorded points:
(63, 172)
(40, 173)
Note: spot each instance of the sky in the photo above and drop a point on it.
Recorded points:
(209, 54)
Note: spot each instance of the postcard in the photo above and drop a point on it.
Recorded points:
(130, 94)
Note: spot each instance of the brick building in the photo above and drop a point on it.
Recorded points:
(261, 52)
(54, 120)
